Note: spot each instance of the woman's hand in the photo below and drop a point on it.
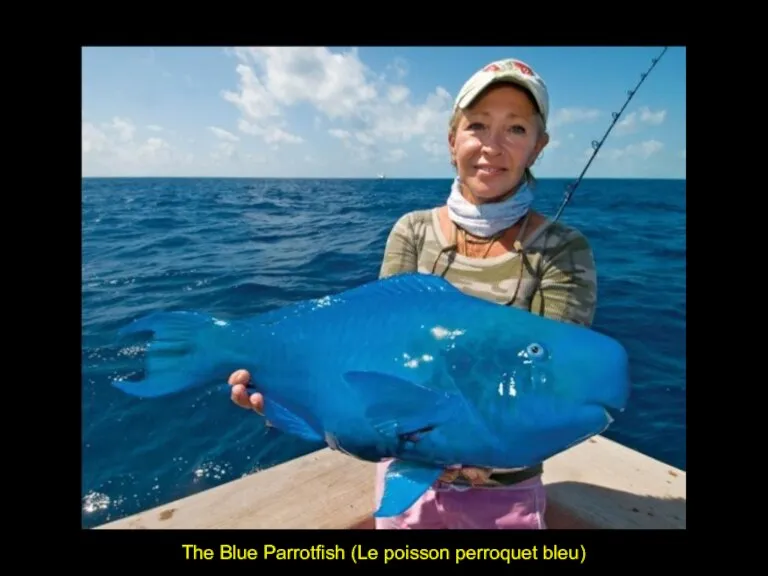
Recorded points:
(239, 379)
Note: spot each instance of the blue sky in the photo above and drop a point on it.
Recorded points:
(358, 112)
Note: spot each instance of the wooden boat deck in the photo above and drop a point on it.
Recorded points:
(596, 484)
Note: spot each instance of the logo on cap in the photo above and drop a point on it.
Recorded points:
(523, 68)
(509, 65)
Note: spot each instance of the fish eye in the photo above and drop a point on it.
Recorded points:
(535, 350)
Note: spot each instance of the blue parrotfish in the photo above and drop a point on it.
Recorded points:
(407, 367)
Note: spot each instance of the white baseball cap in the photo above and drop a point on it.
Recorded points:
(509, 70)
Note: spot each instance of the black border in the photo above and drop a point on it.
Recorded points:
(60, 157)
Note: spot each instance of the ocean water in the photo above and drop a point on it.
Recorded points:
(241, 246)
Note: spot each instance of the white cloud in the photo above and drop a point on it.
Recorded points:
(252, 99)
(334, 83)
(224, 134)
(395, 155)
(224, 151)
(95, 140)
(642, 150)
(367, 112)
(124, 129)
(558, 120)
(340, 134)
(116, 148)
(271, 134)
(398, 93)
(398, 67)
(626, 155)
(565, 116)
(112, 149)
(645, 158)
(614, 160)
(636, 119)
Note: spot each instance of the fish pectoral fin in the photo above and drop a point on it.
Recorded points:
(404, 484)
(286, 421)
(398, 407)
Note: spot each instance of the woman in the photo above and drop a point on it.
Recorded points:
(489, 243)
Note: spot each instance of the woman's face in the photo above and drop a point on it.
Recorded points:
(496, 139)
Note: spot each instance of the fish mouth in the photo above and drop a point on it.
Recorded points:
(594, 424)
(608, 414)
(611, 412)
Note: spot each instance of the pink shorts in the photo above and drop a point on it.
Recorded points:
(517, 507)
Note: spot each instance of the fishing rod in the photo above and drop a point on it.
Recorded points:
(596, 145)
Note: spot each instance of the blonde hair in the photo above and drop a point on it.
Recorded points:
(453, 125)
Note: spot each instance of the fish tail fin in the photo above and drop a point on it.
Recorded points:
(188, 349)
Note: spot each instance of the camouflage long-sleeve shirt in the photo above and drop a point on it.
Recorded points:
(559, 282)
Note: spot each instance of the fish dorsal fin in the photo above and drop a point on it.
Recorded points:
(284, 313)
(403, 284)
(396, 407)
(410, 283)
